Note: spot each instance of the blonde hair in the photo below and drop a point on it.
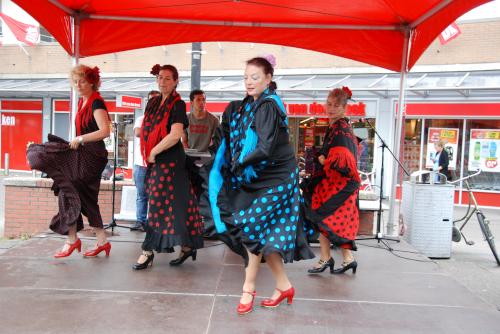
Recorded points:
(87, 73)
(440, 143)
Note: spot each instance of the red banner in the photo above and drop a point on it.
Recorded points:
(26, 33)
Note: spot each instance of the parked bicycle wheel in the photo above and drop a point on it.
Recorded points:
(485, 228)
(456, 236)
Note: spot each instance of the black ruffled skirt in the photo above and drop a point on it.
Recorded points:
(173, 216)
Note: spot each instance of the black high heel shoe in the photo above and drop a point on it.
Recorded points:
(323, 265)
(346, 266)
(145, 264)
(180, 260)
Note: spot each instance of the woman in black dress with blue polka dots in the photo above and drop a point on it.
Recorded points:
(253, 196)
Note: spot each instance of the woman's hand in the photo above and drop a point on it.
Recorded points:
(152, 156)
(75, 143)
(321, 159)
(236, 168)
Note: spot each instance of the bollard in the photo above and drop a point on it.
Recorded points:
(6, 164)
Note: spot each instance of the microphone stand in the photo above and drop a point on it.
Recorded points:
(378, 236)
(113, 223)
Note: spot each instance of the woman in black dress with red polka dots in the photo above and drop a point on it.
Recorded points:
(173, 218)
(331, 197)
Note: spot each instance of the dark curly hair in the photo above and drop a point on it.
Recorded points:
(266, 66)
(155, 70)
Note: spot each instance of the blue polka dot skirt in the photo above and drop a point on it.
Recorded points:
(273, 223)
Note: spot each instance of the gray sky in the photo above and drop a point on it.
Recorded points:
(488, 10)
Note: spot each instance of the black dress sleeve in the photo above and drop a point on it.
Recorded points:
(266, 125)
(326, 142)
(92, 126)
(337, 159)
(178, 115)
(98, 104)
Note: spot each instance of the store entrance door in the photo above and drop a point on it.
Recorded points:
(17, 130)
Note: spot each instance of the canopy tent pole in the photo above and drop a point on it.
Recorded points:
(401, 110)
(387, 27)
(75, 28)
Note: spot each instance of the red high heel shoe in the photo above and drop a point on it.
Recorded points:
(246, 308)
(288, 294)
(76, 245)
(94, 252)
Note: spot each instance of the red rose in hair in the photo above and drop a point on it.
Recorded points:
(347, 90)
(92, 75)
(155, 70)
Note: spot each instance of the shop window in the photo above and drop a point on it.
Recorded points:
(412, 145)
(312, 133)
(450, 132)
(292, 126)
(482, 146)
(125, 140)
(61, 125)
(366, 139)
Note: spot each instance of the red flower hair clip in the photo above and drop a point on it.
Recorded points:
(92, 75)
(155, 70)
(347, 91)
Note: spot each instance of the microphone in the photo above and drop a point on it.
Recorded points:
(127, 121)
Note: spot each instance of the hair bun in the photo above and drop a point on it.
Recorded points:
(270, 58)
(155, 70)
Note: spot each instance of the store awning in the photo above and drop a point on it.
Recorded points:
(372, 32)
(433, 83)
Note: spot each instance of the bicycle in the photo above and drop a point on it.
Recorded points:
(472, 209)
(367, 183)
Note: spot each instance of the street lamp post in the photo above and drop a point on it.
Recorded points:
(196, 65)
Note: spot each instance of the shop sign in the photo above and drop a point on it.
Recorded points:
(127, 101)
(297, 109)
(450, 137)
(318, 109)
(451, 32)
(483, 150)
(8, 120)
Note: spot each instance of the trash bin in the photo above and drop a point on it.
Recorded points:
(428, 215)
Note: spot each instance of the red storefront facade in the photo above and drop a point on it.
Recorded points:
(22, 122)
(464, 120)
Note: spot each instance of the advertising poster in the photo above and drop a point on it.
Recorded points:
(483, 150)
(447, 135)
(309, 137)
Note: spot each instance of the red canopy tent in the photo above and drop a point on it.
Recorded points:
(372, 32)
(388, 33)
